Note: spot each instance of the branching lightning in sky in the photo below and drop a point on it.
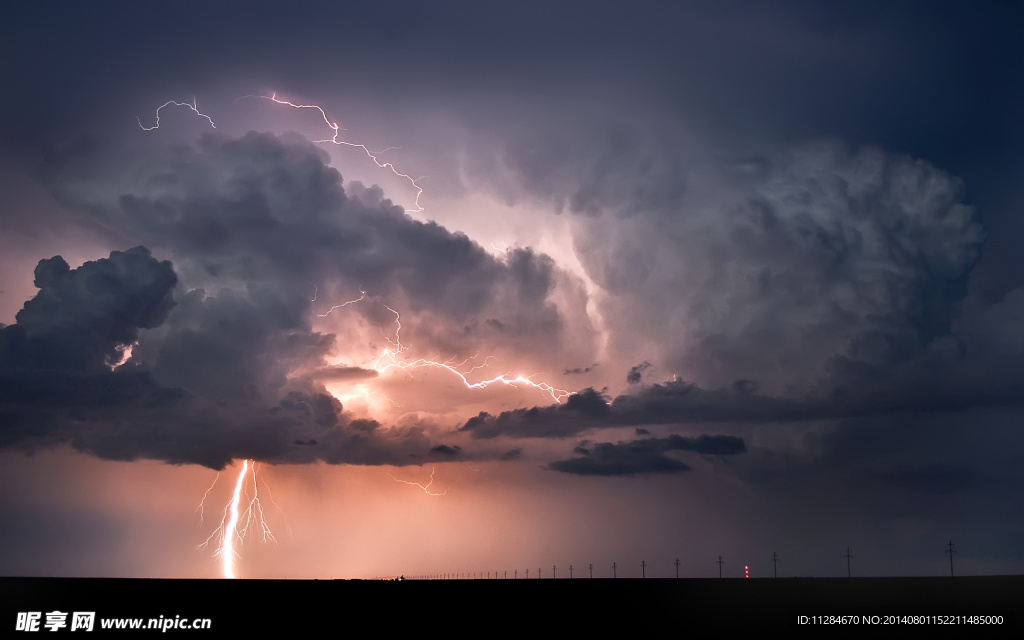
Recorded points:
(361, 297)
(334, 140)
(202, 503)
(425, 487)
(190, 105)
(237, 523)
(389, 359)
(558, 395)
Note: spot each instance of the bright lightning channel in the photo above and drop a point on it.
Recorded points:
(232, 529)
(389, 359)
(190, 105)
(425, 487)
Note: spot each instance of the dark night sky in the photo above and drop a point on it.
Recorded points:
(773, 250)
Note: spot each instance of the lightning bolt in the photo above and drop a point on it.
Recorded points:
(202, 503)
(425, 487)
(229, 532)
(556, 394)
(334, 139)
(191, 106)
(389, 359)
(339, 306)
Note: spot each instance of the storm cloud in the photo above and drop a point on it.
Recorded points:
(645, 455)
(223, 360)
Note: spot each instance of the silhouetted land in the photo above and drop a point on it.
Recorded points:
(482, 606)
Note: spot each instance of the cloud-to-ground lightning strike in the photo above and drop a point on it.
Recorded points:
(190, 105)
(334, 140)
(230, 530)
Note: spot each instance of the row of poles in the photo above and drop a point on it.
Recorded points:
(643, 569)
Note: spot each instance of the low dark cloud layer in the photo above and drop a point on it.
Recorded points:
(644, 456)
(952, 375)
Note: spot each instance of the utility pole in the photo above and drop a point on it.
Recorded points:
(615, 573)
(775, 561)
(720, 562)
(591, 569)
(849, 554)
(643, 568)
(951, 551)
(515, 574)
(554, 573)
(506, 575)
(677, 568)
(527, 574)
(570, 572)
(538, 573)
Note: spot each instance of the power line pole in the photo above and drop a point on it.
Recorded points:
(720, 561)
(775, 561)
(591, 569)
(570, 572)
(615, 573)
(554, 572)
(677, 568)
(951, 551)
(849, 554)
(643, 568)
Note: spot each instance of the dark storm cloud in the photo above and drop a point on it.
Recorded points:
(946, 377)
(644, 456)
(342, 372)
(771, 270)
(580, 411)
(59, 384)
(443, 451)
(225, 363)
(81, 318)
(271, 213)
(636, 373)
(579, 370)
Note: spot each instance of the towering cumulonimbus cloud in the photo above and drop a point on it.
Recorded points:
(780, 266)
(216, 356)
(270, 212)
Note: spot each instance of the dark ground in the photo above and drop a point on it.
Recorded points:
(354, 607)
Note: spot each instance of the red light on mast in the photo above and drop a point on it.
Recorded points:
(746, 571)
